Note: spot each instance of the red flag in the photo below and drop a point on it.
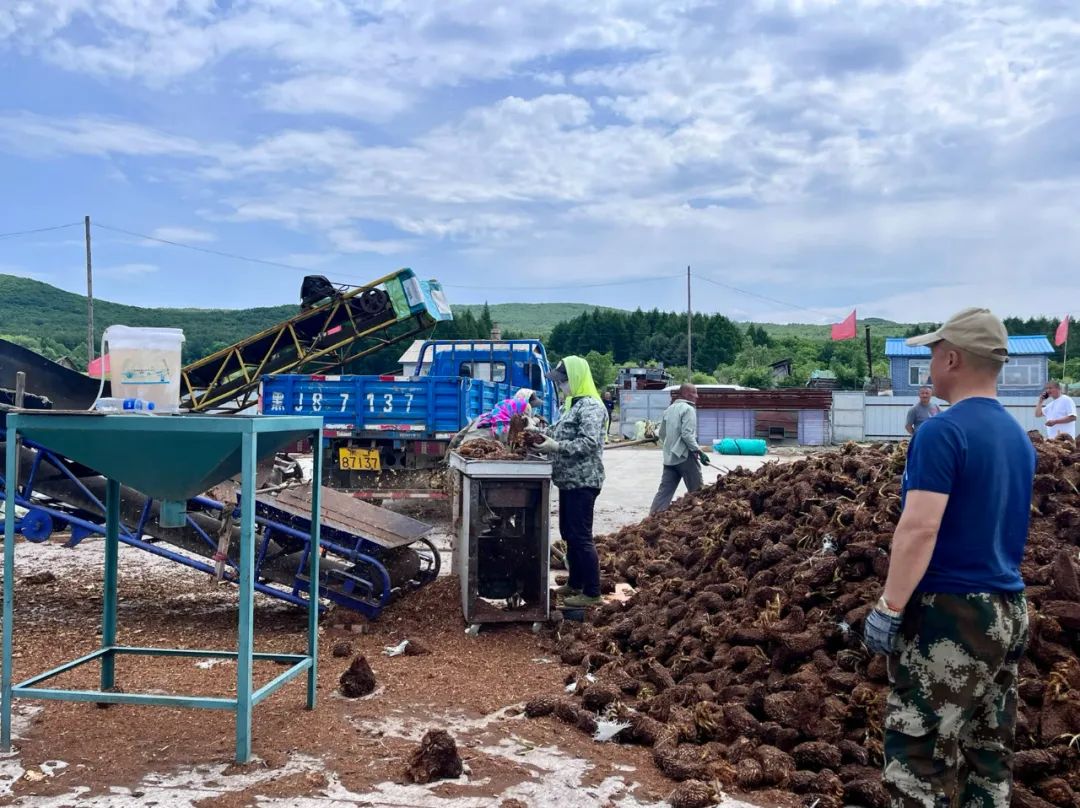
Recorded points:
(98, 366)
(1061, 336)
(846, 329)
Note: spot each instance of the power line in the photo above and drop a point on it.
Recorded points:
(778, 302)
(568, 286)
(280, 265)
(39, 230)
(207, 250)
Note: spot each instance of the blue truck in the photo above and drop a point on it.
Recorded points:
(385, 434)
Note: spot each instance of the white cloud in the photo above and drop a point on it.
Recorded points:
(365, 98)
(184, 235)
(348, 241)
(814, 151)
(39, 136)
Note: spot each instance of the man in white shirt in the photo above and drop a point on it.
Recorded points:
(1059, 410)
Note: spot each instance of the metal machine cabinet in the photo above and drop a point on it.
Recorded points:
(501, 552)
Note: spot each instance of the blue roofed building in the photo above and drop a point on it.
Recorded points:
(1024, 374)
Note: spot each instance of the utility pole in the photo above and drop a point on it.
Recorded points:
(89, 299)
(869, 358)
(689, 328)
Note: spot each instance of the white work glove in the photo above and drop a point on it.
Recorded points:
(547, 446)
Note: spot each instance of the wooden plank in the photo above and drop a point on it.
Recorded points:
(351, 515)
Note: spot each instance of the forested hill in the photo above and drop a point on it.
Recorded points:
(53, 322)
(739, 353)
(534, 319)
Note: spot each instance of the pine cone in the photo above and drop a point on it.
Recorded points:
(586, 722)
(566, 711)
(748, 774)
(866, 792)
(692, 794)
(597, 696)
(816, 755)
(540, 706)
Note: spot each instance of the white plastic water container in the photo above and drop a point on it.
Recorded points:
(145, 363)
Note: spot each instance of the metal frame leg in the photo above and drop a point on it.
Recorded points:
(11, 483)
(112, 551)
(313, 572)
(246, 579)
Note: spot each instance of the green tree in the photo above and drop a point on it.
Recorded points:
(759, 377)
(758, 335)
(485, 322)
(603, 368)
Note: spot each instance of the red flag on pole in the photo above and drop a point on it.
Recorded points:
(846, 329)
(1061, 336)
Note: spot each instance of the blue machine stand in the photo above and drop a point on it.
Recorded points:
(172, 458)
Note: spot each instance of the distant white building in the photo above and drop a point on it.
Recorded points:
(410, 358)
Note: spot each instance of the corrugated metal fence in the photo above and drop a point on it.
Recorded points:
(859, 417)
(715, 422)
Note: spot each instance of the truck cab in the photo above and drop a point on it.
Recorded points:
(519, 363)
(385, 433)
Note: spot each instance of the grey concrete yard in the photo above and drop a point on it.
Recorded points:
(633, 475)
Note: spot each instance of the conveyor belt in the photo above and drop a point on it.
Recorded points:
(350, 515)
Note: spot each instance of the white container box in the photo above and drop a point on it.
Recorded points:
(145, 363)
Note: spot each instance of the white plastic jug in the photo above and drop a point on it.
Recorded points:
(145, 363)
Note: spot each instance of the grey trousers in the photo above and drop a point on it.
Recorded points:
(688, 471)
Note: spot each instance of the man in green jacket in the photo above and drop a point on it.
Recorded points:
(682, 455)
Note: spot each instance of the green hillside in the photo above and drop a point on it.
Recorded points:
(878, 327)
(532, 319)
(53, 322)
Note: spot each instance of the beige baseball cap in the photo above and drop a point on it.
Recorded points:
(977, 331)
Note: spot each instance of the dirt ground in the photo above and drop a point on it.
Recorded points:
(346, 752)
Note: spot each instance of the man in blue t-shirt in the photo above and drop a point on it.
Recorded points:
(952, 617)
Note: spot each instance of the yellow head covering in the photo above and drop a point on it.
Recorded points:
(581, 381)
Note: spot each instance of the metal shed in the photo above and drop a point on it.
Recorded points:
(1024, 374)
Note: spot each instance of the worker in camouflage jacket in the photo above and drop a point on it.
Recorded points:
(952, 618)
(576, 446)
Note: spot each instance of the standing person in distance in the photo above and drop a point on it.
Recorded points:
(609, 403)
(682, 455)
(952, 617)
(576, 446)
(1059, 411)
(923, 411)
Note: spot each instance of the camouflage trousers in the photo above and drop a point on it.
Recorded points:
(950, 721)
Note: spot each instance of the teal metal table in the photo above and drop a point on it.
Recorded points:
(171, 458)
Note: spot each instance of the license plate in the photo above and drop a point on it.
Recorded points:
(359, 459)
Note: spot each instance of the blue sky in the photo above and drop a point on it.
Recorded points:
(907, 158)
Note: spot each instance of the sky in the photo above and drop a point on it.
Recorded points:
(803, 157)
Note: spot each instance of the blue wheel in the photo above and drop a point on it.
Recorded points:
(36, 526)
